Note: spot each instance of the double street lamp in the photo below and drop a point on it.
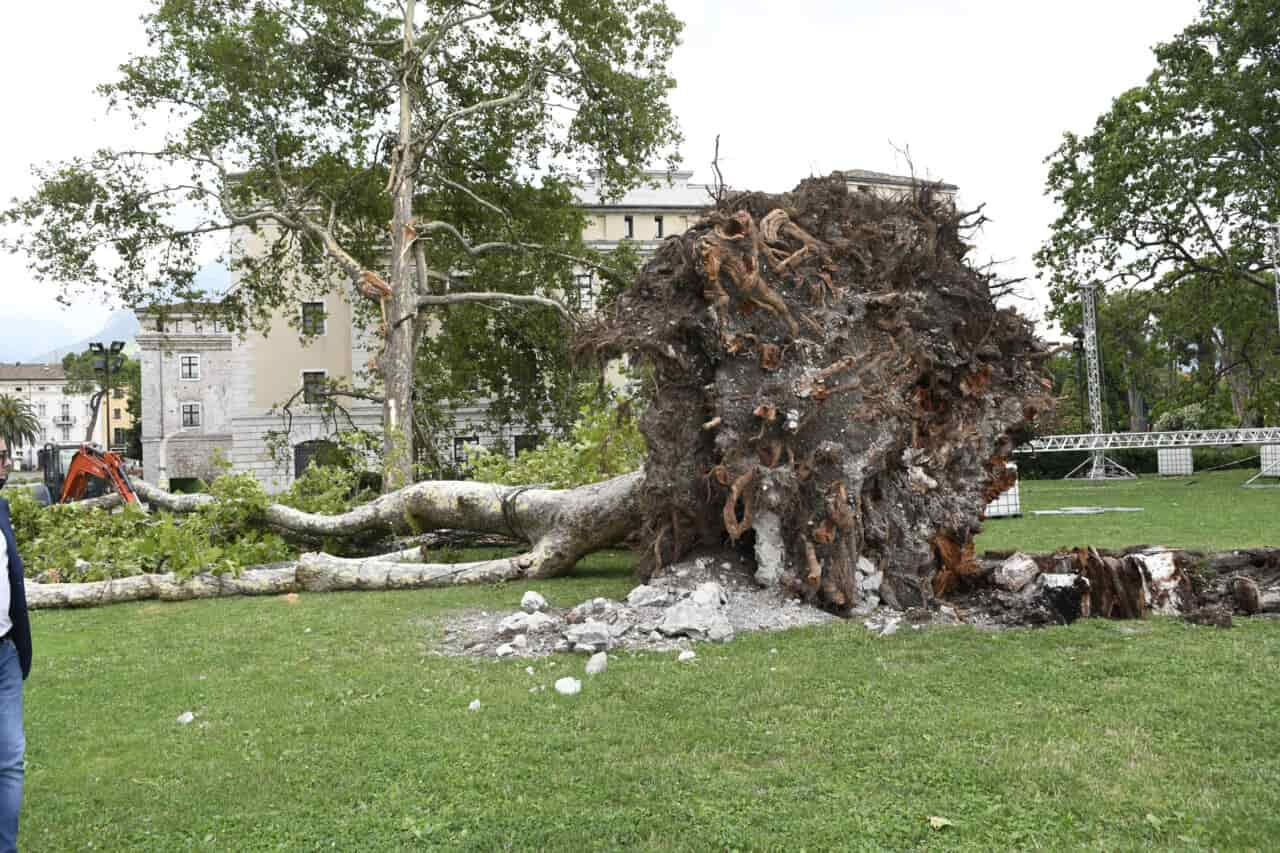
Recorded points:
(106, 361)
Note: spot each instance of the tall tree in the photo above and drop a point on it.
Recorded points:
(422, 148)
(18, 423)
(1181, 175)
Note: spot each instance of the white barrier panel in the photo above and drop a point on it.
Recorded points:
(1174, 461)
(1008, 503)
(1271, 460)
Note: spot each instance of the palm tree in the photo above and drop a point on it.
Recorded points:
(18, 424)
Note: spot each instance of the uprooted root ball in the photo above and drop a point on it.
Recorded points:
(837, 393)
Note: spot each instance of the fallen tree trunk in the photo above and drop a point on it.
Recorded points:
(560, 526)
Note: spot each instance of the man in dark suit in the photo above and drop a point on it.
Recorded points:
(15, 663)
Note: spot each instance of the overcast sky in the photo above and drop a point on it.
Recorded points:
(980, 91)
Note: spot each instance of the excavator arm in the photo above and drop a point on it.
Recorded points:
(91, 463)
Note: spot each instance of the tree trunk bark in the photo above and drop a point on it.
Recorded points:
(400, 335)
(560, 526)
(1137, 406)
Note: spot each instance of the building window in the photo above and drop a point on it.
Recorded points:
(190, 415)
(460, 445)
(313, 386)
(115, 414)
(117, 394)
(44, 411)
(197, 326)
(313, 318)
(66, 433)
(629, 226)
(188, 367)
(584, 284)
(525, 441)
(657, 223)
(65, 410)
(121, 437)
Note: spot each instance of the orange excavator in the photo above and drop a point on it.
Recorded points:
(89, 472)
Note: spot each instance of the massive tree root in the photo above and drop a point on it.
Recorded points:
(837, 393)
(560, 527)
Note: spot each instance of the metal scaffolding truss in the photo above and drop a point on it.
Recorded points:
(1154, 440)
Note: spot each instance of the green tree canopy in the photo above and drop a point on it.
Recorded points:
(424, 150)
(1181, 175)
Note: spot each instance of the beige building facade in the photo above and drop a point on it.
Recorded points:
(208, 393)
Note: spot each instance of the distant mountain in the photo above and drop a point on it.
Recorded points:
(122, 325)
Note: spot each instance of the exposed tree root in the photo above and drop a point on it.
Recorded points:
(829, 361)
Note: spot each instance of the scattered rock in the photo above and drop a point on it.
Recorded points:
(529, 670)
(521, 642)
(532, 602)
(709, 594)
(598, 663)
(474, 706)
(538, 623)
(696, 621)
(1015, 573)
(186, 717)
(646, 595)
(589, 636)
(686, 655)
(516, 623)
(568, 686)
(506, 650)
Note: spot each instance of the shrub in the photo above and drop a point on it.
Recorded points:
(605, 442)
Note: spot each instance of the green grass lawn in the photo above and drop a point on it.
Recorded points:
(328, 723)
(1204, 511)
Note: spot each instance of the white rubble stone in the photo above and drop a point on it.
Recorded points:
(686, 619)
(474, 706)
(598, 663)
(710, 594)
(590, 633)
(516, 623)
(562, 646)
(866, 567)
(529, 670)
(506, 650)
(568, 686)
(536, 623)
(686, 655)
(1015, 572)
(532, 602)
(186, 717)
(646, 595)
(520, 642)
(721, 631)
